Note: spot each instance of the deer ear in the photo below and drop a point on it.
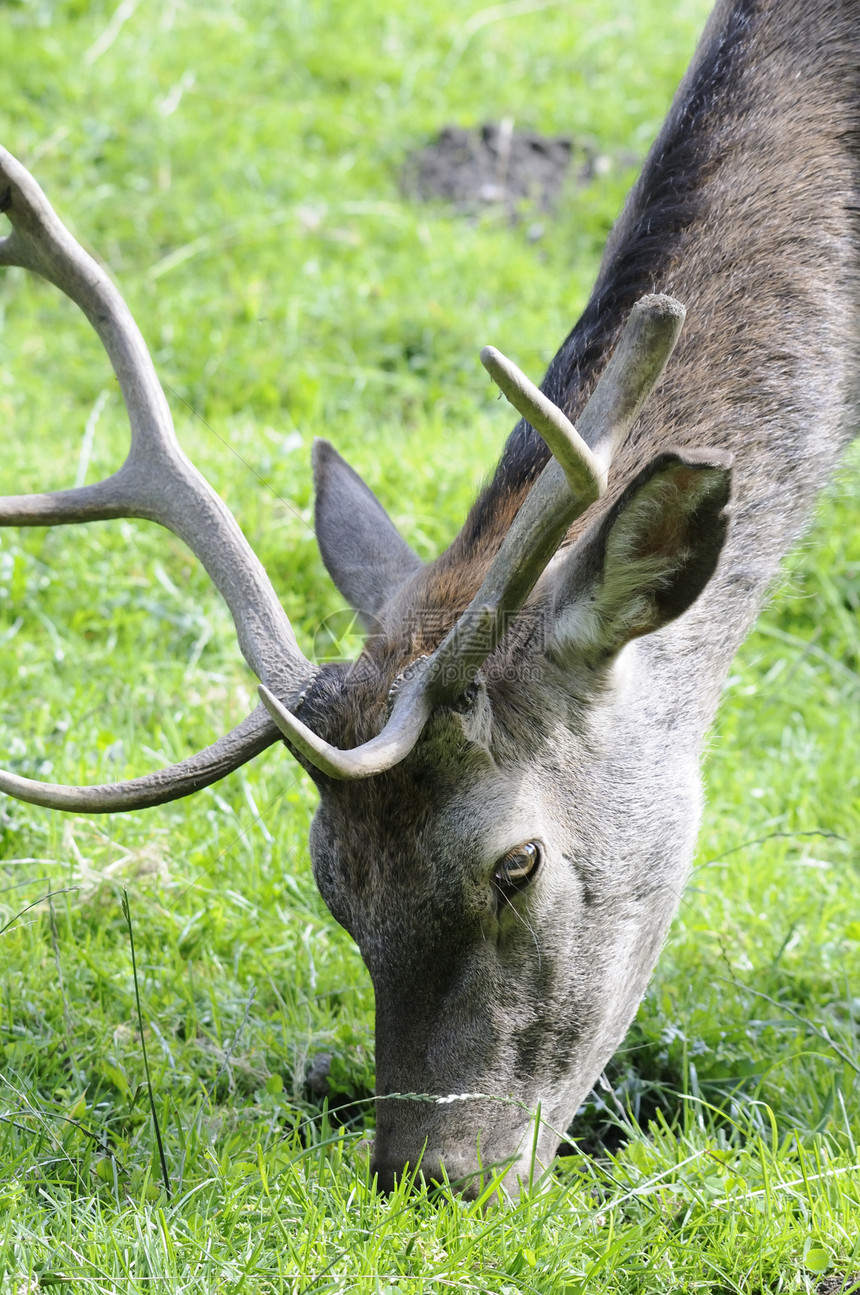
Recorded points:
(646, 561)
(363, 553)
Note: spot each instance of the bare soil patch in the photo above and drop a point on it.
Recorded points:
(495, 165)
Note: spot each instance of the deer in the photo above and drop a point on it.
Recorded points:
(509, 773)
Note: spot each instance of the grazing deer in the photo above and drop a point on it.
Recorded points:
(509, 773)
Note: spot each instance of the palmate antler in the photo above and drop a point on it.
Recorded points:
(157, 482)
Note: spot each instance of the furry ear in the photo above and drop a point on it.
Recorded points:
(363, 553)
(643, 564)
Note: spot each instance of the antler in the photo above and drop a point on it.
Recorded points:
(156, 482)
(573, 479)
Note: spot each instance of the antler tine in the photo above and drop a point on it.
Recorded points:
(585, 477)
(157, 482)
(241, 744)
(412, 708)
(570, 482)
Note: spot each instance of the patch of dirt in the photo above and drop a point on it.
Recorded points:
(496, 165)
(839, 1285)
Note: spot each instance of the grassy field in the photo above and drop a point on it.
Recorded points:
(237, 168)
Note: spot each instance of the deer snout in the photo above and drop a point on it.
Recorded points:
(435, 1170)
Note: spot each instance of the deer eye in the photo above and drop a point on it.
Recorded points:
(516, 869)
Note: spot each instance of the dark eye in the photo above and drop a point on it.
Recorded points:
(517, 868)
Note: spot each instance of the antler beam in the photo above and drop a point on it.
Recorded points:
(236, 748)
(157, 482)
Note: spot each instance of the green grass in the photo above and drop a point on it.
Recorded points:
(236, 166)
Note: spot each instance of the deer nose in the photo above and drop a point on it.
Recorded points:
(464, 1179)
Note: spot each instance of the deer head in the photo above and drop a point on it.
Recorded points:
(478, 833)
